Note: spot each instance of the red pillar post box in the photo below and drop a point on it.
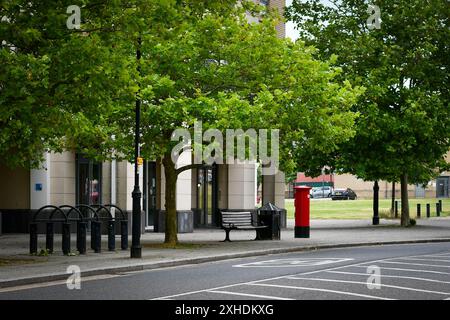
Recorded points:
(301, 204)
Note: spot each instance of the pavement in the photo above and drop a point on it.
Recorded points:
(17, 267)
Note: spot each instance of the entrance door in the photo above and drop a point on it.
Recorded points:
(88, 181)
(442, 187)
(207, 195)
(150, 192)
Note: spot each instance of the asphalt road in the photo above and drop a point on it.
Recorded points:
(413, 271)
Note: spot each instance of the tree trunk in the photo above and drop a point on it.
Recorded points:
(171, 237)
(393, 200)
(405, 201)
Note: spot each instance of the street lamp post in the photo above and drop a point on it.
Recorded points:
(136, 249)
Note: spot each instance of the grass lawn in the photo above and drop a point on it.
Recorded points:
(362, 209)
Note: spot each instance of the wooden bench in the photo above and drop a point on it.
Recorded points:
(239, 221)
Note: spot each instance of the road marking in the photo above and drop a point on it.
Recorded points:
(412, 270)
(419, 259)
(413, 264)
(444, 255)
(320, 289)
(389, 276)
(303, 273)
(214, 289)
(365, 283)
(249, 295)
(292, 262)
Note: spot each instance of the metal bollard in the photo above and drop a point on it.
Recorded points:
(49, 237)
(418, 210)
(396, 209)
(96, 236)
(92, 234)
(124, 235)
(440, 206)
(428, 210)
(438, 210)
(66, 238)
(111, 235)
(33, 238)
(81, 236)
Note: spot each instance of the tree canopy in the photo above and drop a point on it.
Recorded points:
(58, 86)
(403, 131)
(216, 67)
(200, 61)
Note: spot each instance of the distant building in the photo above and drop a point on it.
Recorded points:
(437, 188)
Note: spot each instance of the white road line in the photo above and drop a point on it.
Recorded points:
(410, 263)
(292, 262)
(408, 270)
(365, 283)
(213, 289)
(419, 259)
(320, 289)
(389, 276)
(445, 255)
(249, 295)
(328, 269)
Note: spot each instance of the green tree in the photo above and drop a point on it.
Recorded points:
(204, 61)
(403, 131)
(201, 60)
(58, 86)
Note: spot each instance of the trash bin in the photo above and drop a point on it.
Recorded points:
(269, 215)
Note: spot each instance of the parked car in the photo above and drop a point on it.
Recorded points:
(344, 194)
(321, 192)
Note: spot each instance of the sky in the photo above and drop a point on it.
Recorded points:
(290, 31)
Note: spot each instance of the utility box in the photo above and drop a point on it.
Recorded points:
(270, 215)
(302, 204)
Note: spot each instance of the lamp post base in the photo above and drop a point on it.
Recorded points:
(136, 252)
(376, 221)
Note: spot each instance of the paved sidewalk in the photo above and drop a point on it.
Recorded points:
(17, 267)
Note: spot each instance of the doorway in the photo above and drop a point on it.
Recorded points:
(442, 187)
(88, 181)
(150, 193)
(207, 196)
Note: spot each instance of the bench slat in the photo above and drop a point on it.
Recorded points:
(237, 219)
